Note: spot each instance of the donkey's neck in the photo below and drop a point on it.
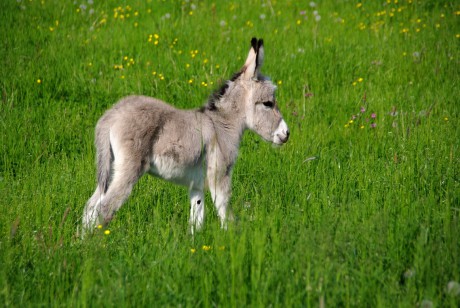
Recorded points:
(229, 128)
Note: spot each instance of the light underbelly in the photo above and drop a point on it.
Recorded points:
(187, 175)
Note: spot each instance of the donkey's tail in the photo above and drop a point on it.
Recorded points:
(104, 155)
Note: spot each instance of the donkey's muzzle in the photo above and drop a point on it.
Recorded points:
(284, 138)
(281, 134)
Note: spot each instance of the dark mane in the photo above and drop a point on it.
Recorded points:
(217, 94)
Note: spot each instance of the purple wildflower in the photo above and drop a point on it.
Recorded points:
(363, 109)
(373, 125)
(373, 115)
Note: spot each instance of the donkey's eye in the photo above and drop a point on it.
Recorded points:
(269, 104)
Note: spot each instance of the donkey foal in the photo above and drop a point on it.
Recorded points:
(188, 147)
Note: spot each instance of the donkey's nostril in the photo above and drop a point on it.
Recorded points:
(285, 136)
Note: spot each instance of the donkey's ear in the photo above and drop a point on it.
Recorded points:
(249, 68)
(260, 55)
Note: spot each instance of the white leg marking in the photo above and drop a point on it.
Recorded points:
(220, 195)
(91, 212)
(196, 210)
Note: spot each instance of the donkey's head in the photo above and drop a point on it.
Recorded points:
(262, 113)
(251, 96)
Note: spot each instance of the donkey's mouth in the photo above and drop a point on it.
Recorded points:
(284, 138)
(281, 139)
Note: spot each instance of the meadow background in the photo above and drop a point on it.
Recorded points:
(360, 208)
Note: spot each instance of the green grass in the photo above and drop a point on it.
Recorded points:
(339, 216)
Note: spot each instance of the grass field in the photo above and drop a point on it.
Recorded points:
(359, 209)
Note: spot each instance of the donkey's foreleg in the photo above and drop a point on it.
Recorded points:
(220, 191)
(196, 210)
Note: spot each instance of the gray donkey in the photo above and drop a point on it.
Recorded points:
(188, 147)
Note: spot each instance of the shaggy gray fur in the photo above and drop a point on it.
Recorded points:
(141, 135)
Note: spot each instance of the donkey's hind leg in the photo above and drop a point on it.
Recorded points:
(91, 211)
(125, 175)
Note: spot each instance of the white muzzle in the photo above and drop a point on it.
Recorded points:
(281, 134)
